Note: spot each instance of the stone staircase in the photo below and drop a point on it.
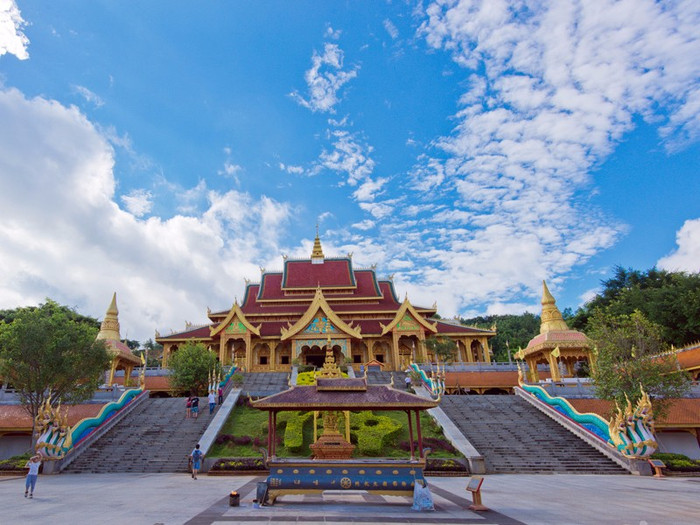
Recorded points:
(515, 437)
(384, 378)
(155, 437)
(263, 384)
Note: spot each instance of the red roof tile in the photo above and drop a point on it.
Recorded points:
(331, 273)
(555, 336)
(15, 417)
(683, 412)
(690, 357)
(201, 332)
(376, 397)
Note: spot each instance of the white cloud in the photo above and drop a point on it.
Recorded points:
(364, 225)
(349, 156)
(391, 29)
(295, 170)
(687, 257)
(12, 39)
(89, 96)
(370, 189)
(63, 235)
(324, 80)
(502, 199)
(138, 202)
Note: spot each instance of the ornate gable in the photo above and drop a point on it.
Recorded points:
(407, 319)
(235, 323)
(319, 318)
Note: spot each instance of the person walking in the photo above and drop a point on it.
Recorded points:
(188, 407)
(212, 401)
(195, 406)
(34, 463)
(221, 396)
(197, 457)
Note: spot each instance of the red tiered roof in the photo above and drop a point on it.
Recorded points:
(336, 273)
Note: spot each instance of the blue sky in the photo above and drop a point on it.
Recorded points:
(168, 151)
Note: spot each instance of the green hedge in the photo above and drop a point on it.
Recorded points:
(294, 428)
(679, 461)
(372, 432)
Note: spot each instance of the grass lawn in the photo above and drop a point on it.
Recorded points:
(247, 421)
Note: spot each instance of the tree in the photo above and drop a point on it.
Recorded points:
(512, 332)
(442, 348)
(190, 366)
(50, 350)
(669, 299)
(630, 353)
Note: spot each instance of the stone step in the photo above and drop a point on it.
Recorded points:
(514, 437)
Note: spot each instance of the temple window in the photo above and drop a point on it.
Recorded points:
(357, 358)
(284, 360)
(263, 359)
(379, 357)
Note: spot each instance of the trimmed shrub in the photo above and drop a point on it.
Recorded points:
(373, 432)
(294, 429)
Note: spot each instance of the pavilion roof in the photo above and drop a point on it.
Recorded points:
(200, 332)
(376, 397)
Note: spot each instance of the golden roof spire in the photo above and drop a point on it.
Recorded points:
(317, 252)
(109, 329)
(551, 318)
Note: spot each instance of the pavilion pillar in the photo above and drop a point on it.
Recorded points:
(485, 350)
(270, 432)
(532, 367)
(127, 374)
(112, 370)
(420, 436)
(591, 360)
(274, 434)
(272, 362)
(468, 350)
(410, 433)
(569, 367)
(553, 367)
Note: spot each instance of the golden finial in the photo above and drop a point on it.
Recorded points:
(317, 251)
(109, 329)
(551, 319)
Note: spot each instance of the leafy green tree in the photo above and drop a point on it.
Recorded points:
(51, 350)
(669, 299)
(442, 348)
(630, 353)
(190, 366)
(512, 332)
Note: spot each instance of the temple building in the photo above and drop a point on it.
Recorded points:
(556, 343)
(287, 317)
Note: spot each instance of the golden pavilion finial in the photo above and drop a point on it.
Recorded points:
(330, 368)
(551, 319)
(109, 329)
(317, 252)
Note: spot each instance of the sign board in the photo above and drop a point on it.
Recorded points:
(475, 483)
(657, 463)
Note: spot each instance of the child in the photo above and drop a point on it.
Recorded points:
(196, 460)
(34, 463)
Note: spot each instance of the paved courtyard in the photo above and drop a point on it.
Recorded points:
(178, 499)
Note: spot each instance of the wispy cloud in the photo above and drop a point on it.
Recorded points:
(552, 87)
(325, 79)
(12, 39)
(295, 170)
(349, 155)
(391, 29)
(89, 96)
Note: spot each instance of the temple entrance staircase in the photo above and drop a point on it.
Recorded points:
(515, 437)
(155, 437)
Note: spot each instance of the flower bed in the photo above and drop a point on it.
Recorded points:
(238, 467)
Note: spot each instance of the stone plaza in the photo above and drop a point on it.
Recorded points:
(171, 499)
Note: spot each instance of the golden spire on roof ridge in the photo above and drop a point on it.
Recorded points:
(317, 252)
(551, 318)
(109, 329)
